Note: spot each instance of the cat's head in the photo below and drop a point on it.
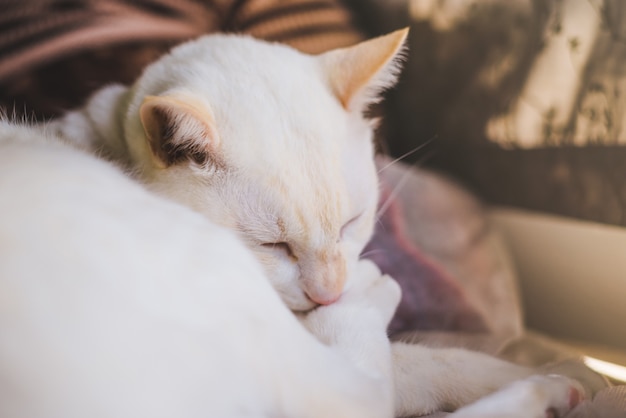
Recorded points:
(271, 143)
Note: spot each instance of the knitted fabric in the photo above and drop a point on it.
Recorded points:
(55, 53)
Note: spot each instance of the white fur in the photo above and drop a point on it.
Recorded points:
(118, 303)
(127, 303)
(528, 398)
(303, 163)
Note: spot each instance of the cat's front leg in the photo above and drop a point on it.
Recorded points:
(549, 396)
(445, 379)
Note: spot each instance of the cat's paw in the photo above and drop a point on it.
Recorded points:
(549, 396)
(372, 289)
(370, 295)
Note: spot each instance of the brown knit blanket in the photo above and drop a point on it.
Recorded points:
(55, 53)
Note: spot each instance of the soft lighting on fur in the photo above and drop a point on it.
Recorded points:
(612, 370)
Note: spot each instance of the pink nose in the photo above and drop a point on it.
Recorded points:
(324, 277)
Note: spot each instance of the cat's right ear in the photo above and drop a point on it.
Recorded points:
(179, 129)
(358, 74)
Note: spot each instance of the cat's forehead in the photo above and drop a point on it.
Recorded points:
(276, 116)
(226, 64)
(256, 91)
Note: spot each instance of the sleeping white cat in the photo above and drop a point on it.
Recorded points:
(267, 150)
(122, 297)
(117, 303)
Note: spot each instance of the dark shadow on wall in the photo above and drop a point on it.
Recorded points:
(456, 80)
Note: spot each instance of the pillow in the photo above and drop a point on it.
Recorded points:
(435, 239)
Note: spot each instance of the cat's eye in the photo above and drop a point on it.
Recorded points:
(347, 225)
(280, 246)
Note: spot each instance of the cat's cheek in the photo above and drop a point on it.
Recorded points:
(284, 276)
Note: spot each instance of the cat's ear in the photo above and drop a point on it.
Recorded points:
(179, 129)
(359, 74)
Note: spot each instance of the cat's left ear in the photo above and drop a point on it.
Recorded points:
(359, 74)
(179, 129)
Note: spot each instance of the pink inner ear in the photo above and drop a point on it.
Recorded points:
(179, 130)
(358, 74)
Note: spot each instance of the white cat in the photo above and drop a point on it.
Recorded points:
(120, 302)
(117, 303)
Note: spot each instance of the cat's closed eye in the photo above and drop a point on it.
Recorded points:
(346, 227)
(280, 246)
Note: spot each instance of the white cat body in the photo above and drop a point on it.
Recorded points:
(170, 316)
(164, 299)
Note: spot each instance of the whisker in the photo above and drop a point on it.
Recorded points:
(371, 252)
(399, 185)
(406, 154)
(392, 195)
(423, 159)
(380, 222)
